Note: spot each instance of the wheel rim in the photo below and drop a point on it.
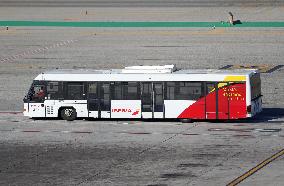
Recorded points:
(68, 112)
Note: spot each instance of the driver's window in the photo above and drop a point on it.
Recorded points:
(38, 93)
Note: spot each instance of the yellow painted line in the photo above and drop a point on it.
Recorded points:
(256, 168)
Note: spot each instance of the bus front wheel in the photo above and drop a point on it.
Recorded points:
(68, 114)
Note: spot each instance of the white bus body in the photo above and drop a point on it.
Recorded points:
(145, 92)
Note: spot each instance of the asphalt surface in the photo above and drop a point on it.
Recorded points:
(45, 152)
(105, 152)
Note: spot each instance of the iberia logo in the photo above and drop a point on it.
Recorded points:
(136, 112)
(121, 110)
(126, 110)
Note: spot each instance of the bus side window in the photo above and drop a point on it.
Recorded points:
(170, 90)
(75, 91)
(93, 91)
(54, 90)
(184, 90)
(117, 93)
(133, 91)
(195, 90)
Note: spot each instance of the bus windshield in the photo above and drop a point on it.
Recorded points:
(255, 83)
(36, 93)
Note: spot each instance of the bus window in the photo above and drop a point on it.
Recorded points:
(105, 97)
(75, 91)
(54, 90)
(133, 91)
(39, 92)
(170, 90)
(93, 91)
(36, 93)
(210, 87)
(184, 90)
(190, 90)
(117, 93)
(126, 91)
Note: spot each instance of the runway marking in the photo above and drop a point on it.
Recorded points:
(139, 24)
(256, 168)
(36, 51)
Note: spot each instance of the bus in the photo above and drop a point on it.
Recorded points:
(146, 92)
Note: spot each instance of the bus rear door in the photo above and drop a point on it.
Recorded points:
(211, 101)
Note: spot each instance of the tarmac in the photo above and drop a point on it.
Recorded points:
(110, 152)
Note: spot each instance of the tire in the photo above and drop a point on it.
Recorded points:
(186, 120)
(68, 114)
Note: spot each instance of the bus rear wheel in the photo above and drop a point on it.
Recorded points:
(68, 114)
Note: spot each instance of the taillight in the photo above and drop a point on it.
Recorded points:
(249, 109)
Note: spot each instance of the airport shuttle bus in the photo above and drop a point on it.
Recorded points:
(145, 92)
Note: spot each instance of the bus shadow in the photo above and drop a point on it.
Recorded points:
(267, 115)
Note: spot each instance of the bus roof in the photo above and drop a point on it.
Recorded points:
(152, 73)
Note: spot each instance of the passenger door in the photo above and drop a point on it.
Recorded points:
(152, 100)
(147, 99)
(99, 100)
(211, 105)
(104, 100)
(93, 100)
(217, 101)
(158, 100)
(223, 100)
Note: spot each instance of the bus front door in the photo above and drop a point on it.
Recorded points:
(93, 100)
